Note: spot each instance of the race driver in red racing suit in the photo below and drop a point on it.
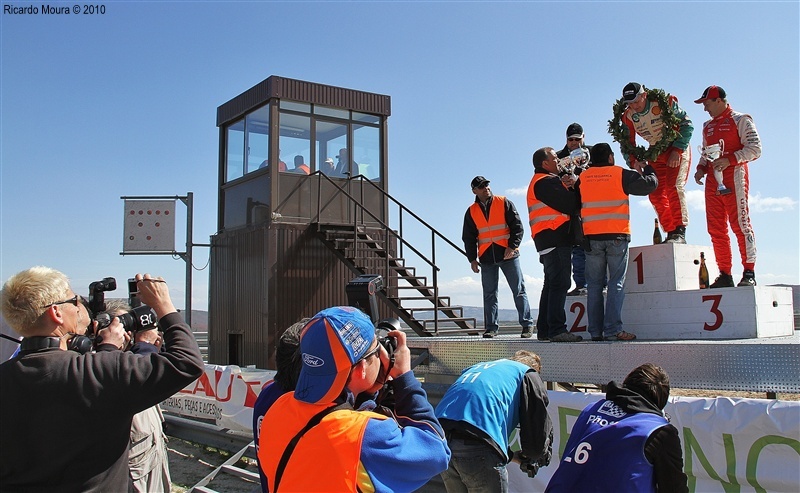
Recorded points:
(741, 144)
(643, 117)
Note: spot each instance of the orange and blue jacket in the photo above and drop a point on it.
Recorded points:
(355, 450)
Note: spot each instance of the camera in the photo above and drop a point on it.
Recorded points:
(361, 293)
(382, 330)
(97, 289)
(140, 317)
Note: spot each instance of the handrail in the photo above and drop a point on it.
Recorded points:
(388, 231)
(403, 207)
(363, 209)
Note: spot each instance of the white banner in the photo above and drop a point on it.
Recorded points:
(729, 445)
(224, 394)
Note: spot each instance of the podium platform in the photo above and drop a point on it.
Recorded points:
(663, 300)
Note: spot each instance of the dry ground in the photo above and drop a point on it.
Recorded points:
(189, 463)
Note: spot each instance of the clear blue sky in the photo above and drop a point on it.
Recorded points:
(94, 107)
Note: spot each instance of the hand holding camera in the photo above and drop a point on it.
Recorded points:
(113, 333)
(154, 293)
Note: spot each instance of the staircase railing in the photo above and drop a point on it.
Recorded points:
(404, 217)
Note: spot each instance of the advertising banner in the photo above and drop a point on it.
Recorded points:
(739, 445)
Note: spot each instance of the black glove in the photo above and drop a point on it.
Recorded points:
(529, 468)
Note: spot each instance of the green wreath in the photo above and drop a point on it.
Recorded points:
(669, 133)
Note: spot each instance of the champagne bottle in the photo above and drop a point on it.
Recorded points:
(657, 234)
(703, 274)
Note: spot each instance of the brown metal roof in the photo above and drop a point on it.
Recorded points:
(307, 92)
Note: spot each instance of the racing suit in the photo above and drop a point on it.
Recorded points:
(669, 198)
(741, 144)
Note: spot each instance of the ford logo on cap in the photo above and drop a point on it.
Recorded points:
(312, 361)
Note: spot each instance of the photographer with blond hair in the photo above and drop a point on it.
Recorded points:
(66, 416)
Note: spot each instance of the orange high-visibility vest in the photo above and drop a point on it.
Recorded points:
(604, 207)
(493, 230)
(325, 459)
(540, 215)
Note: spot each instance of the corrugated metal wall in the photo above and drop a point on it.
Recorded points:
(256, 299)
(238, 300)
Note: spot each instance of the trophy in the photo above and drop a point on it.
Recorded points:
(712, 153)
(577, 158)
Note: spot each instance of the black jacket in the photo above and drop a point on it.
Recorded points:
(65, 418)
(553, 193)
(494, 254)
(663, 447)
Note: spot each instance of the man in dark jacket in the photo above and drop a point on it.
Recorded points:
(552, 207)
(492, 233)
(624, 442)
(66, 417)
(574, 142)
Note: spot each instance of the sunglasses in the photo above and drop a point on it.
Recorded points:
(573, 139)
(74, 300)
(371, 353)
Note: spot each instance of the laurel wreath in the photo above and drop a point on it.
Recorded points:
(669, 133)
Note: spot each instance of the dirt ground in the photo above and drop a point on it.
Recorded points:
(189, 463)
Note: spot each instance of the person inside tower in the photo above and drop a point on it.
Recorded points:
(300, 166)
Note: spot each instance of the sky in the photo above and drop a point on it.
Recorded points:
(94, 107)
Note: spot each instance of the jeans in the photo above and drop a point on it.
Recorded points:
(607, 257)
(474, 467)
(490, 278)
(579, 266)
(552, 316)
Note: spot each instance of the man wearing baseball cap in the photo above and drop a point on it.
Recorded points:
(313, 439)
(740, 144)
(492, 232)
(574, 141)
(645, 118)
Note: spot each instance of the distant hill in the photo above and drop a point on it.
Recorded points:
(199, 321)
(503, 315)
(200, 318)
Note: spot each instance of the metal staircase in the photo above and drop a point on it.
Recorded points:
(370, 246)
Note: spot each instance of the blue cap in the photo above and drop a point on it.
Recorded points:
(330, 344)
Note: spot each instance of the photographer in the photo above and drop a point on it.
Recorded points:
(66, 417)
(481, 409)
(313, 440)
(147, 457)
